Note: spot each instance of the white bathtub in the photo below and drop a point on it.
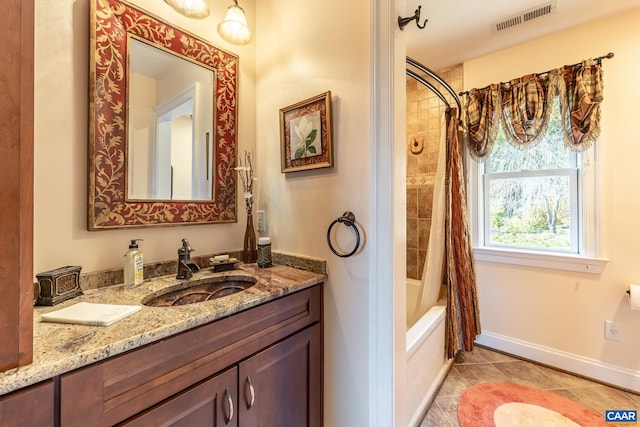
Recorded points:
(427, 365)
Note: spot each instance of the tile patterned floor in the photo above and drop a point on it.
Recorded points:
(484, 365)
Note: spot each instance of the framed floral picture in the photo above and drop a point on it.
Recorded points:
(305, 134)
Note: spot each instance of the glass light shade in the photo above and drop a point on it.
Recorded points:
(234, 28)
(197, 9)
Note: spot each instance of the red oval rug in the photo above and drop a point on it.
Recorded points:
(507, 405)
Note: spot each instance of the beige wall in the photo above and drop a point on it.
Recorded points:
(300, 206)
(555, 315)
(61, 117)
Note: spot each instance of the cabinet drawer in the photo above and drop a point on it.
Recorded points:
(32, 406)
(113, 390)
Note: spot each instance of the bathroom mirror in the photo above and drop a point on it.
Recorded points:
(162, 143)
(170, 122)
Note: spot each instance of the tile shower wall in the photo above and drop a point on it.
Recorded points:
(424, 119)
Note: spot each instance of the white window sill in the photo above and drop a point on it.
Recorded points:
(542, 260)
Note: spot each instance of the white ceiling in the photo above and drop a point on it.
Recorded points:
(460, 30)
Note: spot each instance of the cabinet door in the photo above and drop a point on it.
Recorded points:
(32, 406)
(282, 385)
(16, 162)
(210, 403)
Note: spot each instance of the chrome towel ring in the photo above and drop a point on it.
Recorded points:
(349, 219)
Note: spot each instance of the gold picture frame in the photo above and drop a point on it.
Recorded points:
(306, 134)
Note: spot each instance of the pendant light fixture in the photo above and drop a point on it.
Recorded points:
(234, 28)
(197, 9)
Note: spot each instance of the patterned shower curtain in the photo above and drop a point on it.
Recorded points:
(463, 316)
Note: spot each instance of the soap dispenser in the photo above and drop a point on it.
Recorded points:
(133, 265)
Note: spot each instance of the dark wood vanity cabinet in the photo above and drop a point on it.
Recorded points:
(260, 367)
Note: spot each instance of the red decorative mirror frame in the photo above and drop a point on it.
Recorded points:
(109, 208)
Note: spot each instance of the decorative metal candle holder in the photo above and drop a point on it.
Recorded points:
(264, 252)
(58, 285)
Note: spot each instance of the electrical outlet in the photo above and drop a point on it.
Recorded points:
(262, 226)
(612, 330)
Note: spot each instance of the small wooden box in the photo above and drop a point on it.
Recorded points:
(58, 285)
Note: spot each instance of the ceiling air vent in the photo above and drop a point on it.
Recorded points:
(526, 16)
(508, 23)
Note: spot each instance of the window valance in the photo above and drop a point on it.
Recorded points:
(523, 107)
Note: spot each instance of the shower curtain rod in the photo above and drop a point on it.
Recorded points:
(430, 86)
(437, 78)
(597, 59)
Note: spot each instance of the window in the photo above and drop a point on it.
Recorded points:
(537, 205)
(530, 197)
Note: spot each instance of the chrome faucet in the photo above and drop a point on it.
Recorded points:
(186, 267)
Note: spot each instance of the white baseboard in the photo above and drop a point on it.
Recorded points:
(590, 368)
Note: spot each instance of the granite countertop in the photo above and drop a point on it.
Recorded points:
(61, 347)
